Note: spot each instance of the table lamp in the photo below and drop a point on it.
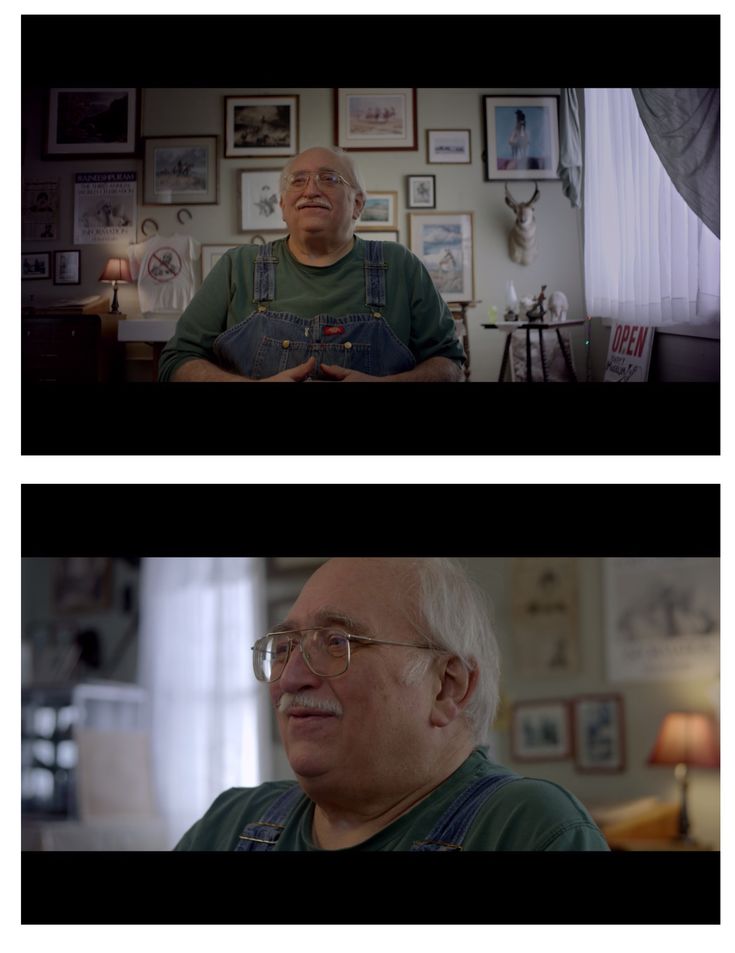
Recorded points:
(684, 738)
(117, 270)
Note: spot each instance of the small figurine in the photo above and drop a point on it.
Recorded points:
(558, 306)
(537, 312)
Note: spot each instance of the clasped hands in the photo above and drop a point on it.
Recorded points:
(331, 372)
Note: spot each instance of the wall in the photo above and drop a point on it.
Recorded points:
(459, 188)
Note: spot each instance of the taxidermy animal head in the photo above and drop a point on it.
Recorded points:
(522, 238)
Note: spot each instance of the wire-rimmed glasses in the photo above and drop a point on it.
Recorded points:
(325, 179)
(326, 651)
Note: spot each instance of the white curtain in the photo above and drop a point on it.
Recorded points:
(198, 620)
(648, 259)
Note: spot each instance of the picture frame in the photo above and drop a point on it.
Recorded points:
(67, 267)
(103, 122)
(261, 126)
(82, 583)
(375, 118)
(180, 170)
(379, 212)
(260, 209)
(599, 738)
(541, 730)
(444, 242)
(445, 146)
(388, 235)
(35, 265)
(211, 255)
(421, 191)
(521, 137)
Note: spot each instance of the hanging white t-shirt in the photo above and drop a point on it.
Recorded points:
(164, 268)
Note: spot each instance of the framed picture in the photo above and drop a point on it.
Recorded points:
(93, 122)
(180, 170)
(599, 740)
(389, 235)
(260, 210)
(211, 254)
(421, 191)
(105, 207)
(443, 241)
(82, 583)
(35, 265)
(67, 267)
(448, 145)
(544, 594)
(261, 126)
(375, 118)
(379, 211)
(521, 137)
(541, 731)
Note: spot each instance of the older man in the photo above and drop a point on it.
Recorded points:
(321, 304)
(384, 678)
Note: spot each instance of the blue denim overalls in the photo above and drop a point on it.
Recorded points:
(268, 342)
(448, 833)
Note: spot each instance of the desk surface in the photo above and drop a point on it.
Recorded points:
(146, 329)
(538, 325)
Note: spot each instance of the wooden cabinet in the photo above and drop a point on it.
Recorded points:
(69, 348)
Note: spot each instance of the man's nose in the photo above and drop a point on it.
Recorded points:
(296, 673)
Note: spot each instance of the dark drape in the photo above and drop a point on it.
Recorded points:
(684, 128)
(569, 169)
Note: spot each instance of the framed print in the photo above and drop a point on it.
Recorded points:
(521, 137)
(180, 170)
(375, 118)
(40, 210)
(379, 211)
(390, 235)
(421, 191)
(105, 207)
(82, 583)
(599, 741)
(261, 126)
(448, 145)
(260, 210)
(541, 731)
(35, 265)
(443, 241)
(545, 615)
(211, 254)
(67, 267)
(102, 122)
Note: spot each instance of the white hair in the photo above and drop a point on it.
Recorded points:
(355, 176)
(452, 613)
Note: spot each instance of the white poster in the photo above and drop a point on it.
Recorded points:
(40, 210)
(662, 618)
(104, 207)
(628, 353)
(545, 616)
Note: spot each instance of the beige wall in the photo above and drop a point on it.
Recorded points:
(459, 188)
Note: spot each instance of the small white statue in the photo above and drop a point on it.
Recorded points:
(558, 306)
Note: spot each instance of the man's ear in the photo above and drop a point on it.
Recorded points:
(457, 684)
(359, 205)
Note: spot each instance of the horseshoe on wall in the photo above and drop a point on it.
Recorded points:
(181, 212)
(145, 222)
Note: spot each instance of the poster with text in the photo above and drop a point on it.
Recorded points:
(104, 207)
(40, 210)
(628, 353)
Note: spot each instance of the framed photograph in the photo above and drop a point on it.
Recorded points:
(261, 126)
(103, 123)
(389, 235)
(375, 118)
(443, 241)
(211, 254)
(545, 615)
(448, 145)
(35, 265)
(105, 207)
(541, 731)
(180, 170)
(379, 211)
(82, 583)
(421, 191)
(40, 210)
(599, 739)
(260, 210)
(67, 267)
(521, 137)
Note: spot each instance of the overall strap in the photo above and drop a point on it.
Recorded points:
(263, 834)
(375, 269)
(265, 274)
(451, 828)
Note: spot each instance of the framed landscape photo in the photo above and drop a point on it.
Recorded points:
(211, 254)
(260, 210)
(375, 118)
(180, 170)
(389, 235)
(261, 126)
(522, 137)
(67, 267)
(541, 731)
(34, 265)
(101, 122)
(443, 241)
(379, 211)
(599, 740)
(421, 191)
(448, 145)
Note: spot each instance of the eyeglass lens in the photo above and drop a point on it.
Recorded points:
(325, 651)
(298, 180)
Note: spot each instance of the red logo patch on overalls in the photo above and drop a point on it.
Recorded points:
(333, 329)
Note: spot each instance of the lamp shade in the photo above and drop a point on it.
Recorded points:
(116, 269)
(687, 737)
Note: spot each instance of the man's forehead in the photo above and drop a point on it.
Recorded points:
(326, 615)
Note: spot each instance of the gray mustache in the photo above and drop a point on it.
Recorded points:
(289, 700)
(304, 202)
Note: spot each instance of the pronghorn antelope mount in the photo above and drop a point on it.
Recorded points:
(522, 238)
